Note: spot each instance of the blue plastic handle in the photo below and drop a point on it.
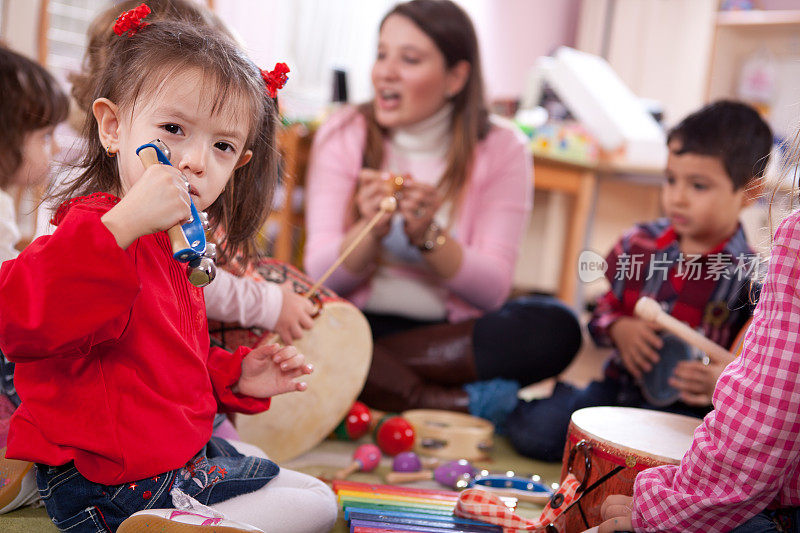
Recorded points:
(193, 230)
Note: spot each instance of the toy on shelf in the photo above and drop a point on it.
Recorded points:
(356, 424)
(567, 141)
(453, 474)
(365, 459)
(394, 434)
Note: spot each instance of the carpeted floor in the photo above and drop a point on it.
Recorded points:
(331, 456)
(323, 461)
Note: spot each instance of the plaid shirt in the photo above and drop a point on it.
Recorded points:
(746, 454)
(708, 291)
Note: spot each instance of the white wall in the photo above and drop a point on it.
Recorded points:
(313, 36)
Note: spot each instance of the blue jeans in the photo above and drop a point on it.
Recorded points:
(538, 428)
(785, 520)
(217, 473)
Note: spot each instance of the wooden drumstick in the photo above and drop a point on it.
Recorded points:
(388, 205)
(649, 309)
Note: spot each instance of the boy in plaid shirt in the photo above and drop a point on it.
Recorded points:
(695, 262)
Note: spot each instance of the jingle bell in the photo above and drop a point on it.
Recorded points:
(201, 271)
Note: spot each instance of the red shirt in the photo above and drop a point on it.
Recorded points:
(112, 350)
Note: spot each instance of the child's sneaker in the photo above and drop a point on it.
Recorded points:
(17, 484)
(176, 521)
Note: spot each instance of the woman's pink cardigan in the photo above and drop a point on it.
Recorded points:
(489, 224)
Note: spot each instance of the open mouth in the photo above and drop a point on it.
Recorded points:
(193, 191)
(388, 99)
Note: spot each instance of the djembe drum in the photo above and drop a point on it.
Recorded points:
(608, 446)
(339, 346)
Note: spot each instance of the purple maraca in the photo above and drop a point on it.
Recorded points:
(406, 462)
(448, 474)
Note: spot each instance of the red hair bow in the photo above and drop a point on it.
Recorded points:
(275, 79)
(131, 20)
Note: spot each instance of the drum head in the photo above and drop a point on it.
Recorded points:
(662, 437)
(655, 384)
(340, 348)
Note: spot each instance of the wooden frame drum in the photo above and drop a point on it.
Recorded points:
(340, 348)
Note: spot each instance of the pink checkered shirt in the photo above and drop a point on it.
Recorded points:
(746, 454)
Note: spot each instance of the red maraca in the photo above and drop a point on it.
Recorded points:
(356, 424)
(365, 458)
(394, 435)
(448, 474)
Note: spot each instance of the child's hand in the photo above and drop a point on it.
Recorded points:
(373, 187)
(638, 344)
(616, 513)
(270, 370)
(295, 316)
(696, 381)
(157, 201)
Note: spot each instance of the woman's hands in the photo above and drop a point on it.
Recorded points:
(417, 203)
(373, 186)
(271, 369)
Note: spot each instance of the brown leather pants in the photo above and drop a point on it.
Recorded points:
(423, 368)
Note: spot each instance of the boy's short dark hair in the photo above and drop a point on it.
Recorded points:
(732, 131)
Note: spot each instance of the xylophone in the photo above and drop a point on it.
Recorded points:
(370, 508)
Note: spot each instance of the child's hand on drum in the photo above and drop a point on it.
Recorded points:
(271, 369)
(696, 381)
(638, 344)
(616, 512)
(296, 315)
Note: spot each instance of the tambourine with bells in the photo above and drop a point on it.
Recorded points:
(188, 239)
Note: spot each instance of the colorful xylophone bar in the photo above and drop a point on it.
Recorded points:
(387, 508)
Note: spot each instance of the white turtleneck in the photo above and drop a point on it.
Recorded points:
(403, 283)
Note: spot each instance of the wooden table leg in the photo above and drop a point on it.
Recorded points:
(576, 238)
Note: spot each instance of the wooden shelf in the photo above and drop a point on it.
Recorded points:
(754, 18)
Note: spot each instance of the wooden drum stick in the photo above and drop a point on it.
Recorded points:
(649, 309)
(388, 205)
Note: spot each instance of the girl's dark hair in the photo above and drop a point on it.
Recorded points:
(31, 99)
(452, 31)
(101, 37)
(732, 131)
(140, 64)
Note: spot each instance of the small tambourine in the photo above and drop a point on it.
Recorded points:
(450, 435)
(522, 488)
(189, 239)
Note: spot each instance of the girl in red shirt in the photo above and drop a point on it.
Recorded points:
(117, 381)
